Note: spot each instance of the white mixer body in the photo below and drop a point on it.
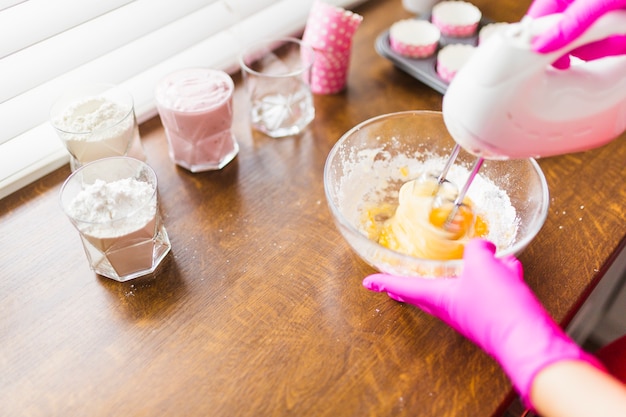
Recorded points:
(508, 102)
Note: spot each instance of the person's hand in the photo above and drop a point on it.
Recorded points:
(492, 306)
(577, 16)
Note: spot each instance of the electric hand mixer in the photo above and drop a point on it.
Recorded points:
(508, 102)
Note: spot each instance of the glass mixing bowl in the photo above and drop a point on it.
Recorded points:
(368, 165)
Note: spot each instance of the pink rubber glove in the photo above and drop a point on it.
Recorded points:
(578, 15)
(491, 305)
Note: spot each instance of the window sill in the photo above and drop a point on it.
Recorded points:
(37, 152)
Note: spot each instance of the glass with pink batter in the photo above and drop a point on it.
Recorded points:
(113, 204)
(195, 106)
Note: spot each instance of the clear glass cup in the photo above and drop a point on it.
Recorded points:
(196, 109)
(96, 121)
(113, 203)
(277, 76)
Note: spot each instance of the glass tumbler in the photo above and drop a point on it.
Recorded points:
(196, 109)
(96, 121)
(113, 203)
(277, 77)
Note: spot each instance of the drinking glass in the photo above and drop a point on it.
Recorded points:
(196, 109)
(277, 76)
(113, 203)
(96, 121)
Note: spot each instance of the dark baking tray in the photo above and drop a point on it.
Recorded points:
(424, 69)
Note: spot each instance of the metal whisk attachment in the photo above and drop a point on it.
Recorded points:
(439, 199)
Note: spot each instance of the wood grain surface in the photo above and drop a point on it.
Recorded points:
(259, 310)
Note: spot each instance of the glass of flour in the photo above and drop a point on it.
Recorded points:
(113, 204)
(96, 121)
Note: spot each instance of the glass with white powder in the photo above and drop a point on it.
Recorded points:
(113, 204)
(96, 121)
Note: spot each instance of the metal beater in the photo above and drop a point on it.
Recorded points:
(458, 201)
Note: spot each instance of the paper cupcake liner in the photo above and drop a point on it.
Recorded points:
(456, 18)
(329, 30)
(414, 38)
(451, 59)
(412, 51)
(329, 81)
(331, 59)
(455, 31)
(330, 26)
(489, 30)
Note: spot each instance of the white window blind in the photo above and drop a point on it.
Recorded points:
(47, 46)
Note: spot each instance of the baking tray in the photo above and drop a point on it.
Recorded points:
(424, 69)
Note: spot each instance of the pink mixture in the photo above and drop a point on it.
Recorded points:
(196, 109)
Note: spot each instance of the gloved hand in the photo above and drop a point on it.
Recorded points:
(491, 305)
(578, 15)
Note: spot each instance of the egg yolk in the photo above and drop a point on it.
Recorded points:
(464, 222)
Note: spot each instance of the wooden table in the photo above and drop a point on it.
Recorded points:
(259, 310)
